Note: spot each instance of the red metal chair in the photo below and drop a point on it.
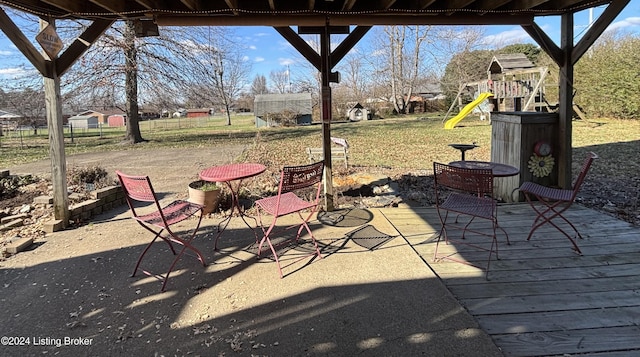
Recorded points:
(293, 179)
(160, 219)
(555, 201)
(465, 192)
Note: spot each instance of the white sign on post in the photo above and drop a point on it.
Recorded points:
(49, 40)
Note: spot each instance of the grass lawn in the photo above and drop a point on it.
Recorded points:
(400, 143)
(393, 146)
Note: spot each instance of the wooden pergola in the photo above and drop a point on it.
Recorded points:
(322, 17)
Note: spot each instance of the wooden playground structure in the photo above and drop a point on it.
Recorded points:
(516, 84)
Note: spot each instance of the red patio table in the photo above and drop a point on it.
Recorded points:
(497, 169)
(227, 174)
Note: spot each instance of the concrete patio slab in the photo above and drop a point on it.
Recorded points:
(73, 295)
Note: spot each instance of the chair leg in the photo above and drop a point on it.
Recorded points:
(268, 231)
(435, 253)
(494, 244)
(159, 234)
(186, 244)
(173, 264)
(266, 238)
(275, 256)
(547, 215)
(443, 231)
(135, 270)
(305, 224)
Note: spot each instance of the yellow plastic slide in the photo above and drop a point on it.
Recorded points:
(449, 124)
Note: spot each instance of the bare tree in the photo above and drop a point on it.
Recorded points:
(404, 49)
(219, 65)
(466, 62)
(131, 83)
(279, 81)
(259, 85)
(29, 105)
(354, 77)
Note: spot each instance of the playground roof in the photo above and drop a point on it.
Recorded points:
(503, 63)
(304, 13)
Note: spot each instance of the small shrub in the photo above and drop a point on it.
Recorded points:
(204, 185)
(94, 176)
(9, 186)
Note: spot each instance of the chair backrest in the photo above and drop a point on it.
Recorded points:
(586, 165)
(137, 188)
(476, 181)
(340, 141)
(297, 177)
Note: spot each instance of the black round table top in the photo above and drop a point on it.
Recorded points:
(464, 147)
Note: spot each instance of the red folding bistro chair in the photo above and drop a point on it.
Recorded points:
(555, 201)
(293, 179)
(465, 192)
(160, 219)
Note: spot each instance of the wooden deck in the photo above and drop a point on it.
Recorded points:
(542, 298)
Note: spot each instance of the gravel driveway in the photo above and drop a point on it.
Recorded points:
(170, 170)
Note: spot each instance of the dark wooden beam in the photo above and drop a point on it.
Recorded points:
(112, 6)
(348, 5)
(232, 4)
(191, 4)
(301, 45)
(565, 102)
(347, 44)
(345, 20)
(316, 30)
(545, 42)
(148, 4)
(72, 6)
(81, 44)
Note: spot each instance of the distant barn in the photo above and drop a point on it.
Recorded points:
(282, 109)
(198, 113)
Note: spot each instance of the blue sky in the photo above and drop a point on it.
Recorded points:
(268, 51)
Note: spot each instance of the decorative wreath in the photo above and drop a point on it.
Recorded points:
(541, 166)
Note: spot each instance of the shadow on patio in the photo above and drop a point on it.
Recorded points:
(384, 301)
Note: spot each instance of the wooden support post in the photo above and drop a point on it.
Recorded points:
(53, 109)
(325, 72)
(565, 108)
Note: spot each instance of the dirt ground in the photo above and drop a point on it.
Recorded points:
(170, 170)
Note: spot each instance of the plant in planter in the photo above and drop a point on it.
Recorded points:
(205, 193)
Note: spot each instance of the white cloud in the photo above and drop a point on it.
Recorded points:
(6, 53)
(258, 59)
(11, 71)
(15, 72)
(286, 61)
(501, 39)
(625, 24)
(253, 47)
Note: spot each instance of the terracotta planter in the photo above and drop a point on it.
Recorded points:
(209, 198)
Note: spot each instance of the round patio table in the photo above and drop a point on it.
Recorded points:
(497, 169)
(227, 174)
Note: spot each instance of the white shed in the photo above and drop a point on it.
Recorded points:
(83, 122)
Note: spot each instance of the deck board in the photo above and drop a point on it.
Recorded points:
(541, 297)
